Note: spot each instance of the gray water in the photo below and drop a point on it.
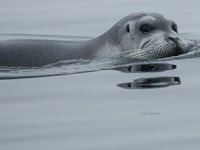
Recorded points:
(90, 111)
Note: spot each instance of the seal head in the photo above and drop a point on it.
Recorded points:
(147, 36)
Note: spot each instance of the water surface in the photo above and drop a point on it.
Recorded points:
(91, 111)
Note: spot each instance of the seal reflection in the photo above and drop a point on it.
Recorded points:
(152, 67)
(153, 82)
(157, 82)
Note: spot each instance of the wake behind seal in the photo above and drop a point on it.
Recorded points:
(139, 36)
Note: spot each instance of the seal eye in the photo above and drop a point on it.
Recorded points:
(174, 27)
(128, 28)
(146, 28)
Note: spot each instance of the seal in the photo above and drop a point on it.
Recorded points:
(139, 36)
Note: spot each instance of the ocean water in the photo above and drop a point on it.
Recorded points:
(133, 107)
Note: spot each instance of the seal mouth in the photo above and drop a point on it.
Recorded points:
(178, 51)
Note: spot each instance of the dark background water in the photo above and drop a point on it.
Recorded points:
(90, 111)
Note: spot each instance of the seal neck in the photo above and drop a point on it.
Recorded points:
(110, 37)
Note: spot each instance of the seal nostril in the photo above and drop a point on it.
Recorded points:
(172, 39)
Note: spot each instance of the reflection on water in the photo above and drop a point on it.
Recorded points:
(147, 83)
(81, 66)
(152, 67)
(153, 82)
